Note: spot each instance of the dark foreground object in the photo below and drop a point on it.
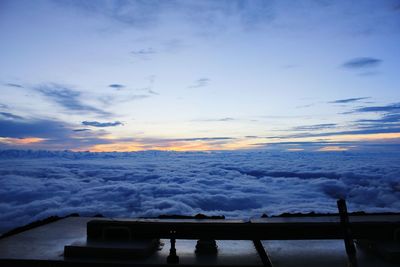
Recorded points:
(288, 241)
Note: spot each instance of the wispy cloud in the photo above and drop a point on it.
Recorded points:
(81, 130)
(14, 85)
(227, 119)
(101, 124)
(8, 115)
(144, 52)
(207, 16)
(113, 99)
(131, 13)
(386, 118)
(362, 63)
(389, 117)
(375, 130)
(201, 139)
(149, 90)
(388, 108)
(216, 120)
(68, 98)
(117, 86)
(200, 83)
(348, 100)
(124, 96)
(315, 127)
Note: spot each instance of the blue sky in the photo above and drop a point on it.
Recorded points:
(199, 75)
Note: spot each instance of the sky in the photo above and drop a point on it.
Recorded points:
(200, 75)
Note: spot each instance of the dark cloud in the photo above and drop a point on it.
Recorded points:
(252, 136)
(200, 83)
(308, 143)
(348, 100)
(201, 139)
(117, 86)
(101, 124)
(227, 119)
(362, 63)
(34, 128)
(68, 98)
(8, 115)
(322, 126)
(81, 130)
(14, 85)
(388, 121)
(56, 135)
(374, 130)
(385, 119)
(388, 108)
(382, 146)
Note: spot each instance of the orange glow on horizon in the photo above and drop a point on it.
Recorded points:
(117, 147)
(332, 148)
(200, 145)
(21, 141)
(233, 144)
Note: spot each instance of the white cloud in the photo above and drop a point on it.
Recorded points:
(35, 185)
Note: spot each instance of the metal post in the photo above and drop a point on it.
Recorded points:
(172, 257)
(348, 239)
(262, 253)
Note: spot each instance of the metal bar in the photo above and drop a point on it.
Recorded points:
(262, 253)
(347, 235)
(372, 229)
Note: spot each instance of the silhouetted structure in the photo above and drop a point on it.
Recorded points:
(141, 241)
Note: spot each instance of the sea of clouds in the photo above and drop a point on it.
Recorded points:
(38, 184)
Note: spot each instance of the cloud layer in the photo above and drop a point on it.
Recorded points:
(37, 184)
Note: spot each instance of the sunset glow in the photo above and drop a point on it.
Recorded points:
(21, 141)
